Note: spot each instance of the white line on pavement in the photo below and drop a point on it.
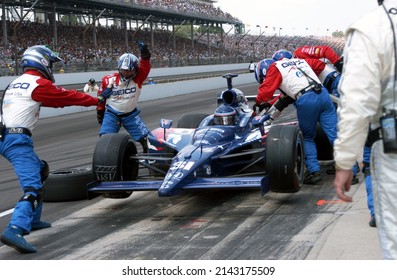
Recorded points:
(2, 214)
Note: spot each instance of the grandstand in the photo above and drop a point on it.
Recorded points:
(91, 35)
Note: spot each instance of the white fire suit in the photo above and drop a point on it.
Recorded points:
(366, 87)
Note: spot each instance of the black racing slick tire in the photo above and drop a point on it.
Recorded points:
(67, 184)
(285, 160)
(191, 120)
(325, 150)
(112, 162)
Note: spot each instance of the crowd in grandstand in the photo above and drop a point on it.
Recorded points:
(110, 42)
(183, 7)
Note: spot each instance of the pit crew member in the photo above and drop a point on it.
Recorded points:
(296, 79)
(19, 113)
(122, 90)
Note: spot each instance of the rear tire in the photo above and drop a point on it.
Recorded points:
(111, 161)
(191, 120)
(285, 160)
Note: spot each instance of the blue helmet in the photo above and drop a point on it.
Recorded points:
(261, 69)
(40, 58)
(281, 54)
(128, 62)
(225, 115)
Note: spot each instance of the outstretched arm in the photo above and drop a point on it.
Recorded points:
(50, 95)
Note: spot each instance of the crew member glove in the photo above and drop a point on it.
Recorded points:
(339, 65)
(145, 53)
(101, 99)
(261, 106)
(104, 95)
(99, 115)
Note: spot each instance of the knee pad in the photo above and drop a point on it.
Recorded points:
(45, 171)
(33, 196)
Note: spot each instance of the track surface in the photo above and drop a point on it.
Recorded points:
(216, 225)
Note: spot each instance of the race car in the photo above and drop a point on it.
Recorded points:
(197, 154)
(201, 153)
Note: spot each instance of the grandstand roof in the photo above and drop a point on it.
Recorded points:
(118, 9)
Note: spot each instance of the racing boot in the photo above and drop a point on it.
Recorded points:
(144, 144)
(312, 178)
(372, 221)
(13, 237)
(331, 170)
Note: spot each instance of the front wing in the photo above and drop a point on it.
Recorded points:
(219, 183)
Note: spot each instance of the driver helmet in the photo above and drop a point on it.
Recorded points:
(281, 54)
(128, 62)
(225, 115)
(261, 69)
(91, 81)
(39, 58)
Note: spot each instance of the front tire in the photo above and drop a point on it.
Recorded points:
(285, 160)
(111, 161)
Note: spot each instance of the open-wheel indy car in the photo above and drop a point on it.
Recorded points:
(235, 149)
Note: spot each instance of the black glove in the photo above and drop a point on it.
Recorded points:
(104, 95)
(101, 99)
(145, 53)
(339, 65)
(261, 106)
(283, 102)
(99, 115)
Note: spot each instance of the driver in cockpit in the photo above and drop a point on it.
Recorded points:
(225, 115)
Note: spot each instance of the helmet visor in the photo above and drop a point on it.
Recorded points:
(224, 120)
(127, 74)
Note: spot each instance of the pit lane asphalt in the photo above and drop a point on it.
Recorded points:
(216, 225)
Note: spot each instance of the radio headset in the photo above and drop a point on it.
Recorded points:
(388, 121)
